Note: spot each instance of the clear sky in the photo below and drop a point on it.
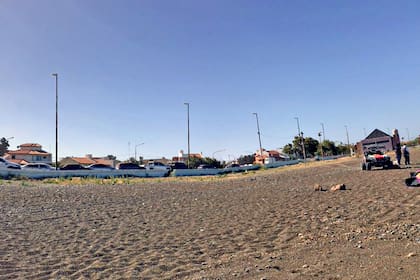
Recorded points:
(127, 67)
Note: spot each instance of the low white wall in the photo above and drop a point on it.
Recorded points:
(282, 163)
(40, 174)
(212, 171)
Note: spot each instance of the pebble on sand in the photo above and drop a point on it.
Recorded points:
(339, 187)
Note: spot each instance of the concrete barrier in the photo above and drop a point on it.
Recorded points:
(42, 174)
(282, 163)
(212, 171)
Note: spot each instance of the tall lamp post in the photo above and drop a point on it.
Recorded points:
(56, 119)
(323, 132)
(259, 134)
(188, 131)
(135, 150)
(320, 144)
(218, 151)
(300, 135)
(348, 141)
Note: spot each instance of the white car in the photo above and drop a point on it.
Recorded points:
(38, 166)
(7, 164)
(155, 165)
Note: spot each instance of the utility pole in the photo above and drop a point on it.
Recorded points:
(259, 134)
(348, 141)
(188, 129)
(135, 150)
(323, 132)
(300, 135)
(320, 144)
(56, 120)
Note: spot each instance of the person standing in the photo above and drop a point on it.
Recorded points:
(406, 155)
(398, 154)
(396, 144)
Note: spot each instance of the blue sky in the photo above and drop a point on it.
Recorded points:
(127, 67)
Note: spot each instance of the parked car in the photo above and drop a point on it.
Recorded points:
(38, 166)
(129, 166)
(100, 166)
(230, 165)
(73, 167)
(178, 165)
(155, 165)
(7, 164)
(205, 166)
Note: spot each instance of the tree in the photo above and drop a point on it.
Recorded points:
(4, 145)
(342, 149)
(288, 149)
(329, 148)
(195, 162)
(311, 146)
(246, 159)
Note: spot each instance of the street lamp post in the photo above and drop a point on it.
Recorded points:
(259, 134)
(348, 141)
(300, 135)
(218, 151)
(320, 144)
(56, 120)
(188, 131)
(135, 150)
(323, 132)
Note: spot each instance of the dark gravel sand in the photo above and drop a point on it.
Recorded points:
(260, 225)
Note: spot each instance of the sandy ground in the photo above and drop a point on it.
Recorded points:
(264, 225)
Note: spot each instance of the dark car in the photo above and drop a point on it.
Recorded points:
(100, 166)
(129, 166)
(178, 165)
(73, 167)
(232, 165)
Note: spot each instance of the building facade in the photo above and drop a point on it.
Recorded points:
(29, 153)
(377, 140)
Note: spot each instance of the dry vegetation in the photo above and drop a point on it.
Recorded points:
(269, 224)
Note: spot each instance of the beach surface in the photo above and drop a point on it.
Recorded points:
(269, 224)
